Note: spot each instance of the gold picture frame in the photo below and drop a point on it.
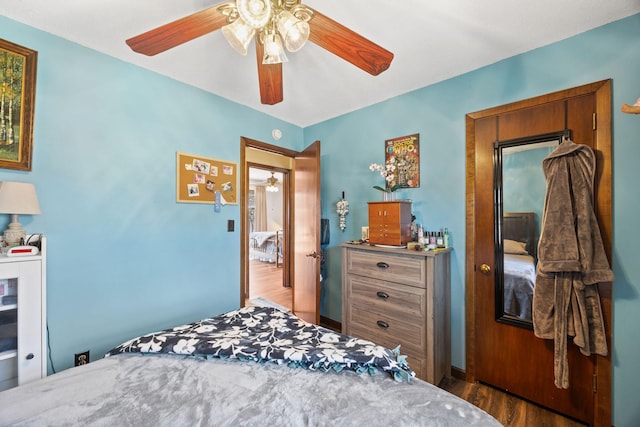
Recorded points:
(18, 66)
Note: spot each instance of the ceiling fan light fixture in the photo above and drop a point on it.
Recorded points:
(239, 35)
(256, 13)
(294, 31)
(273, 50)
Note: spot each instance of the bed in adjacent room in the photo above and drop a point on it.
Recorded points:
(253, 366)
(266, 246)
(519, 247)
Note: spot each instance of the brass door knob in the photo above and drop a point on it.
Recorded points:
(485, 269)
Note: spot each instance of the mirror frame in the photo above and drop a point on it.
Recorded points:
(498, 147)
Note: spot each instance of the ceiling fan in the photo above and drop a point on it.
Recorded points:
(273, 23)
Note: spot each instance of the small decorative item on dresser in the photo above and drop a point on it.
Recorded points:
(342, 208)
(389, 196)
(390, 223)
(387, 171)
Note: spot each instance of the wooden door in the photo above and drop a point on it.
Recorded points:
(306, 241)
(302, 220)
(509, 356)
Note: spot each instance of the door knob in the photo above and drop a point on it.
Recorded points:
(485, 269)
(314, 254)
(30, 356)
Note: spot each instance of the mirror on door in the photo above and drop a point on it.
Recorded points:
(519, 191)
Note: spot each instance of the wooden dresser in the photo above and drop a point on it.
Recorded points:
(390, 222)
(400, 297)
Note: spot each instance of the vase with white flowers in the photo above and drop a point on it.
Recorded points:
(388, 172)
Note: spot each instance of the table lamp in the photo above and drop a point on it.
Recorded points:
(17, 198)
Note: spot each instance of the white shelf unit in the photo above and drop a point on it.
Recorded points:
(23, 323)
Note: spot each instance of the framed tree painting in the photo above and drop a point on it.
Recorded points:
(17, 101)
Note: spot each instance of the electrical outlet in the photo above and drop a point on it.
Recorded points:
(81, 358)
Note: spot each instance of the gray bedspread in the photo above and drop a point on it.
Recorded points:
(170, 390)
(519, 282)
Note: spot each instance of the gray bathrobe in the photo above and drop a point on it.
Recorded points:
(571, 259)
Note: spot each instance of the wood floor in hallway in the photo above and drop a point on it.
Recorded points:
(265, 280)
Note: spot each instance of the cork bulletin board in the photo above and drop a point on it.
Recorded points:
(198, 178)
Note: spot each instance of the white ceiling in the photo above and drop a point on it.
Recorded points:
(431, 40)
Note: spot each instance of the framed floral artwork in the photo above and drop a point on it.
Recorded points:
(402, 155)
(17, 102)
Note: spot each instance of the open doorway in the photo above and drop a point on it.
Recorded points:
(301, 221)
(267, 207)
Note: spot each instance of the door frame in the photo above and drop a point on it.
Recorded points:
(603, 194)
(246, 143)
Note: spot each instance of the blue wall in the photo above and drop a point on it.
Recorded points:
(437, 112)
(125, 258)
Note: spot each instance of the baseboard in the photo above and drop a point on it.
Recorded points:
(458, 373)
(330, 324)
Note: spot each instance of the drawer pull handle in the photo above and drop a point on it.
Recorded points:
(382, 324)
(382, 265)
(382, 295)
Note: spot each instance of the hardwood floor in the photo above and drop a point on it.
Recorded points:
(265, 280)
(511, 411)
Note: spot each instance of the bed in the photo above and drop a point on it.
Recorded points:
(253, 366)
(519, 246)
(266, 246)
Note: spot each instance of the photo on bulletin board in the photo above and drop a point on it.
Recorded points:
(198, 178)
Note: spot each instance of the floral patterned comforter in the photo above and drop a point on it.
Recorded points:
(265, 334)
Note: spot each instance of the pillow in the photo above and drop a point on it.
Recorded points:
(513, 247)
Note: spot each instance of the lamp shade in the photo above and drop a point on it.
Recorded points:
(239, 35)
(18, 198)
(273, 50)
(294, 31)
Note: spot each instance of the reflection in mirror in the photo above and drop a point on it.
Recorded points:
(520, 189)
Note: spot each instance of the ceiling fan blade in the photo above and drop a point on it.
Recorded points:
(270, 78)
(177, 32)
(348, 45)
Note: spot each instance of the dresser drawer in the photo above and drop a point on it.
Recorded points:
(393, 300)
(389, 267)
(386, 235)
(387, 331)
(398, 297)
